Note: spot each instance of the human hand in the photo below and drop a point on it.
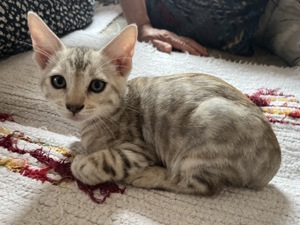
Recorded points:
(165, 41)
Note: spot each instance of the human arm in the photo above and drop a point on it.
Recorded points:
(135, 12)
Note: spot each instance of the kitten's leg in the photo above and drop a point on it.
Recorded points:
(155, 177)
(135, 169)
(107, 165)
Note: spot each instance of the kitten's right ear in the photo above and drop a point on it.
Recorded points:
(45, 43)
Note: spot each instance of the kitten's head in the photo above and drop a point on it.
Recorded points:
(82, 83)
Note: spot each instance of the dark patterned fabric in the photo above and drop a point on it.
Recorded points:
(61, 16)
(223, 24)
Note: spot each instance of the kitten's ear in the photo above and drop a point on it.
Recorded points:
(45, 43)
(120, 49)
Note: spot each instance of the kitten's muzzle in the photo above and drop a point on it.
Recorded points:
(74, 108)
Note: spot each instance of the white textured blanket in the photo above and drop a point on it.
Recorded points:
(27, 201)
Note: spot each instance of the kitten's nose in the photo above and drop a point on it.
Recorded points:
(74, 108)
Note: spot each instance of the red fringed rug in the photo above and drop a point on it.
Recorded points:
(278, 107)
(43, 161)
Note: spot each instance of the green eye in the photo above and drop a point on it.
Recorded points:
(58, 82)
(97, 86)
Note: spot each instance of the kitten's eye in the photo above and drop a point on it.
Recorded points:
(58, 82)
(97, 86)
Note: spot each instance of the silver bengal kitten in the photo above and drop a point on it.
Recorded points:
(188, 133)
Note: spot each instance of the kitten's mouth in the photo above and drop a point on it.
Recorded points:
(75, 117)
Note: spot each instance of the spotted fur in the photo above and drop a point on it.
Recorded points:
(187, 133)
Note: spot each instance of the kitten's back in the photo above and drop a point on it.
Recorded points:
(199, 118)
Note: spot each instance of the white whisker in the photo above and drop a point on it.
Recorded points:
(104, 125)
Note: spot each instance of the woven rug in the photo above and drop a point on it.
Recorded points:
(32, 192)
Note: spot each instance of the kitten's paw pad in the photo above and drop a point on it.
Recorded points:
(86, 169)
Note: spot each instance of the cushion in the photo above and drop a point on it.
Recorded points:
(228, 25)
(61, 16)
(280, 30)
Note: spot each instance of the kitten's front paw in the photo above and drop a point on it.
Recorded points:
(86, 169)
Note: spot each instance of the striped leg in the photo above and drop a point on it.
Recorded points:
(107, 165)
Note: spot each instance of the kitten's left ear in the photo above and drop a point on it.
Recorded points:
(120, 49)
(45, 43)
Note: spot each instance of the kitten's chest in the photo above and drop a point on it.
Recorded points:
(112, 133)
